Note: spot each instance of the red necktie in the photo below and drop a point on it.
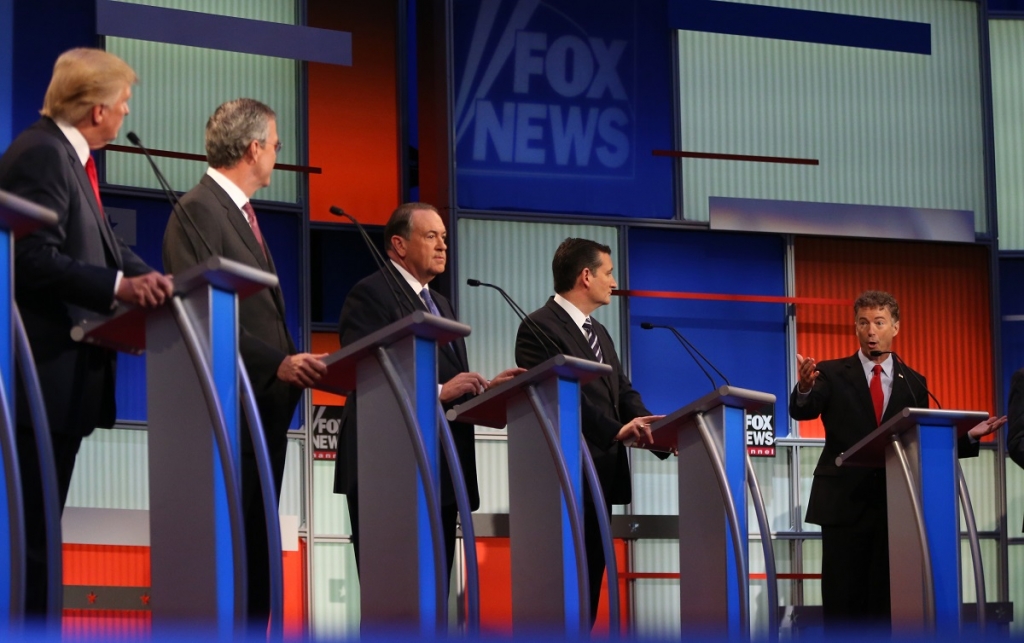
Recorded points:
(877, 397)
(251, 215)
(90, 169)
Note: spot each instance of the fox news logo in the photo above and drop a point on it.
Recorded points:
(761, 432)
(547, 90)
(325, 427)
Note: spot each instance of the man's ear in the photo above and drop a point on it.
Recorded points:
(96, 114)
(398, 245)
(895, 328)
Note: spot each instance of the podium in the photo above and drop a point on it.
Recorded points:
(19, 217)
(197, 536)
(918, 448)
(542, 411)
(403, 568)
(710, 436)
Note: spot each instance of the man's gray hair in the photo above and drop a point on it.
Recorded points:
(232, 127)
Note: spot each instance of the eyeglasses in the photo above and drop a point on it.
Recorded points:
(277, 146)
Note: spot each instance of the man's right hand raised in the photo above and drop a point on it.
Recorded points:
(148, 290)
(807, 369)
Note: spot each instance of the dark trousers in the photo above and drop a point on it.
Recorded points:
(855, 574)
(595, 553)
(65, 450)
(449, 515)
(256, 546)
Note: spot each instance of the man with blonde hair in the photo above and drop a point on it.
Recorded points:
(65, 273)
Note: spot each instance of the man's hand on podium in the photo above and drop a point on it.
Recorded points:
(462, 384)
(302, 370)
(148, 290)
(638, 431)
(981, 429)
(505, 376)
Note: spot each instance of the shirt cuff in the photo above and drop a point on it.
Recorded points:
(117, 285)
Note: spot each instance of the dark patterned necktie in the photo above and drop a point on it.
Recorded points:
(595, 345)
(250, 214)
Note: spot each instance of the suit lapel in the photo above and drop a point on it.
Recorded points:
(580, 343)
(853, 372)
(85, 189)
(237, 221)
(455, 350)
(236, 218)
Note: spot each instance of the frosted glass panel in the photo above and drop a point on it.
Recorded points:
(1015, 563)
(282, 11)
(179, 89)
(808, 460)
(1006, 44)
(292, 497)
(330, 510)
(335, 591)
(655, 484)
(773, 477)
(989, 557)
(492, 475)
(812, 565)
(759, 606)
(981, 485)
(888, 128)
(112, 471)
(656, 601)
(517, 257)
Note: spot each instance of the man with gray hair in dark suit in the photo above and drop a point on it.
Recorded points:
(216, 219)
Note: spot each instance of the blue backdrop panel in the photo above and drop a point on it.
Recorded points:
(558, 106)
(282, 233)
(746, 341)
(1011, 303)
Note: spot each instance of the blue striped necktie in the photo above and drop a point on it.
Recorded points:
(595, 346)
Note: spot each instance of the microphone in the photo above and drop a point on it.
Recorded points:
(170, 194)
(903, 367)
(690, 349)
(520, 313)
(383, 264)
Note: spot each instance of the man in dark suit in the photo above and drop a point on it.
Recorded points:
(416, 243)
(1015, 413)
(70, 272)
(613, 414)
(216, 218)
(853, 396)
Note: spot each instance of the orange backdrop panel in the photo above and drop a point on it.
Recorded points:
(494, 558)
(945, 315)
(326, 343)
(353, 115)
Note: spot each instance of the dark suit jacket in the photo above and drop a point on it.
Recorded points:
(370, 306)
(64, 275)
(264, 341)
(1015, 419)
(839, 495)
(606, 404)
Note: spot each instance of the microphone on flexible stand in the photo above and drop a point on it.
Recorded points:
(169, 193)
(523, 317)
(690, 349)
(903, 367)
(383, 263)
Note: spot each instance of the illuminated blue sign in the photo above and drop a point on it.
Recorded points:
(559, 104)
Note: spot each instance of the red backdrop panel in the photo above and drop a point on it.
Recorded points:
(945, 315)
(353, 115)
